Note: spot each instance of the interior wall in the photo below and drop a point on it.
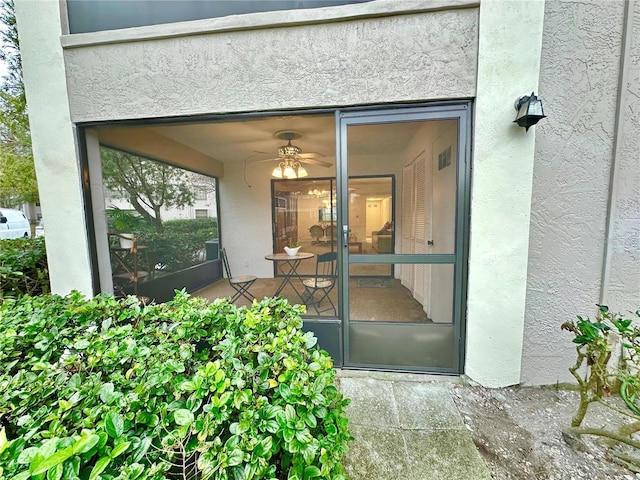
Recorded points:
(246, 216)
(435, 285)
(380, 165)
(358, 217)
(374, 217)
(308, 215)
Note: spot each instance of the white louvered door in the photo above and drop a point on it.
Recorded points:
(419, 225)
(407, 224)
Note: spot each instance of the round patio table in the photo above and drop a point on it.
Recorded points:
(282, 259)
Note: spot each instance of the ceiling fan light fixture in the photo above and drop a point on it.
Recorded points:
(289, 150)
(288, 171)
(290, 157)
(289, 168)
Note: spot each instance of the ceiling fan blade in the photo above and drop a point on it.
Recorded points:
(310, 155)
(250, 161)
(315, 161)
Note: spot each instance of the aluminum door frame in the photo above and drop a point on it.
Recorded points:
(460, 111)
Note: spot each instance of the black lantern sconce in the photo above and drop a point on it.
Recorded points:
(529, 111)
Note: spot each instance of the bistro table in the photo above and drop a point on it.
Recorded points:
(292, 261)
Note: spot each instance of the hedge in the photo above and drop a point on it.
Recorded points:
(113, 389)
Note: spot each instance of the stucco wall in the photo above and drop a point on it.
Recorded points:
(406, 57)
(578, 82)
(622, 290)
(508, 67)
(54, 147)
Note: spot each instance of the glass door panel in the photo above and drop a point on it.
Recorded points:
(305, 213)
(404, 238)
(378, 298)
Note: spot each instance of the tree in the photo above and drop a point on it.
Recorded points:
(17, 171)
(148, 185)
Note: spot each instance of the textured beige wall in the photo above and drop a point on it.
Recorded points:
(574, 145)
(54, 146)
(423, 56)
(622, 289)
(508, 60)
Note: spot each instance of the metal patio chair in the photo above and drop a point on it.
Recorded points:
(240, 284)
(317, 288)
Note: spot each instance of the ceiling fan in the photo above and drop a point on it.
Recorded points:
(290, 157)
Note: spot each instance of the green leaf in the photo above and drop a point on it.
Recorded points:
(264, 447)
(135, 470)
(120, 449)
(81, 344)
(289, 413)
(236, 457)
(183, 416)
(86, 443)
(22, 476)
(262, 358)
(309, 454)
(106, 393)
(71, 468)
(311, 472)
(99, 467)
(4, 443)
(114, 424)
(141, 450)
(288, 434)
(27, 455)
(55, 473)
(147, 418)
(55, 459)
(304, 436)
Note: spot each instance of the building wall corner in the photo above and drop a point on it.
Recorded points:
(509, 52)
(54, 146)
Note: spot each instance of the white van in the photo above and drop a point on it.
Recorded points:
(13, 224)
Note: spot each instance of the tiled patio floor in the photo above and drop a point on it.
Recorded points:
(406, 427)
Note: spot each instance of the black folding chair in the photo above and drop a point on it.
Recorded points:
(317, 289)
(240, 284)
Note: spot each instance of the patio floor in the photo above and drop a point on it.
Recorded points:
(372, 299)
(406, 426)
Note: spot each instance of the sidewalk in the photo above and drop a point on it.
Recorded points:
(406, 427)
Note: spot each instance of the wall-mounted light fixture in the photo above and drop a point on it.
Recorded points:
(530, 111)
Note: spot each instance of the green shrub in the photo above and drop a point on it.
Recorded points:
(106, 388)
(23, 267)
(192, 225)
(599, 374)
(181, 245)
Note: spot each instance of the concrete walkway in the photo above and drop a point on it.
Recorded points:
(406, 427)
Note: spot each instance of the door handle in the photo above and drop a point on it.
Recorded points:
(345, 235)
(429, 242)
